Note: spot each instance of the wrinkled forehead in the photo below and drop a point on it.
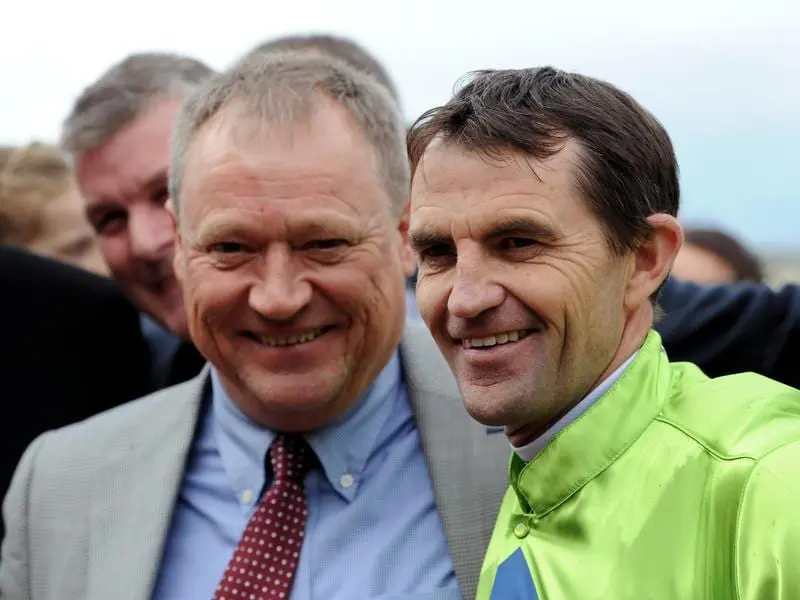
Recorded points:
(319, 170)
(459, 187)
(326, 142)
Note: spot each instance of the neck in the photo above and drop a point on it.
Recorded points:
(633, 336)
(637, 325)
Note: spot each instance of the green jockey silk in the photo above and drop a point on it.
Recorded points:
(672, 486)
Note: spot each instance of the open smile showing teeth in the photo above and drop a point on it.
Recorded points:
(292, 340)
(496, 340)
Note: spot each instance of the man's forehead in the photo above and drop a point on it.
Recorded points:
(229, 169)
(462, 192)
(220, 165)
(147, 135)
(450, 166)
(259, 148)
(135, 158)
(102, 182)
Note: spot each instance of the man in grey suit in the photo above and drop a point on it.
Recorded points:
(324, 452)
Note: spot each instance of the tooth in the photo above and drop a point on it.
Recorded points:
(502, 338)
(513, 336)
(292, 340)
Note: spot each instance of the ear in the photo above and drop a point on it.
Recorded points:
(653, 258)
(406, 253)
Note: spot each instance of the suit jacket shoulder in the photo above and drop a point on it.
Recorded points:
(100, 438)
(90, 503)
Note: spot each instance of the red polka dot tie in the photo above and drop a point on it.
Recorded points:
(264, 563)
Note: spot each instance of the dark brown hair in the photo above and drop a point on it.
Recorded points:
(337, 47)
(746, 266)
(626, 168)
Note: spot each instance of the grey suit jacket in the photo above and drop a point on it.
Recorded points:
(90, 505)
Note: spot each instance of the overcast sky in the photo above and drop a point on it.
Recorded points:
(723, 76)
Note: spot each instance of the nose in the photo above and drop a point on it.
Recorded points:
(151, 232)
(473, 290)
(282, 292)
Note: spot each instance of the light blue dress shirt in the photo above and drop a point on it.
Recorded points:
(372, 531)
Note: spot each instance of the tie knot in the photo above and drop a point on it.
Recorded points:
(291, 457)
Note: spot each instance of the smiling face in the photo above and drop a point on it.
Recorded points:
(292, 263)
(124, 182)
(518, 284)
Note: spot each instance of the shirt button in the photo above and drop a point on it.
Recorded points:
(346, 480)
(521, 530)
(247, 496)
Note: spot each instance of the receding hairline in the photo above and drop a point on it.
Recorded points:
(571, 150)
(288, 87)
(233, 123)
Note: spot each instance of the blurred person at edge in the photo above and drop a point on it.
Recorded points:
(118, 134)
(41, 208)
(713, 256)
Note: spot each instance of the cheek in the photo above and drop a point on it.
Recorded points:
(119, 260)
(432, 294)
(212, 297)
(367, 279)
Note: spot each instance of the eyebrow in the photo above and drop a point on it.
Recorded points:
(524, 227)
(327, 226)
(93, 210)
(157, 179)
(426, 237)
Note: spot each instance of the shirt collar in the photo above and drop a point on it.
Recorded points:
(342, 447)
(594, 441)
(531, 449)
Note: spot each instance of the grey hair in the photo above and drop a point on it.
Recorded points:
(124, 91)
(284, 89)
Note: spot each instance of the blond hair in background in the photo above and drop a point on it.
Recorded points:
(41, 209)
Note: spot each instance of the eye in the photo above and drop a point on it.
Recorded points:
(161, 195)
(227, 247)
(109, 222)
(438, 250)
(326, 244)
(77, 248)
(516, 243)
(436, 254)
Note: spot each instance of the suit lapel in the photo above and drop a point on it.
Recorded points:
(467, 461)
(135, 493)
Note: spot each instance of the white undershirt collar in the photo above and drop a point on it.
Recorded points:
(530, 450)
